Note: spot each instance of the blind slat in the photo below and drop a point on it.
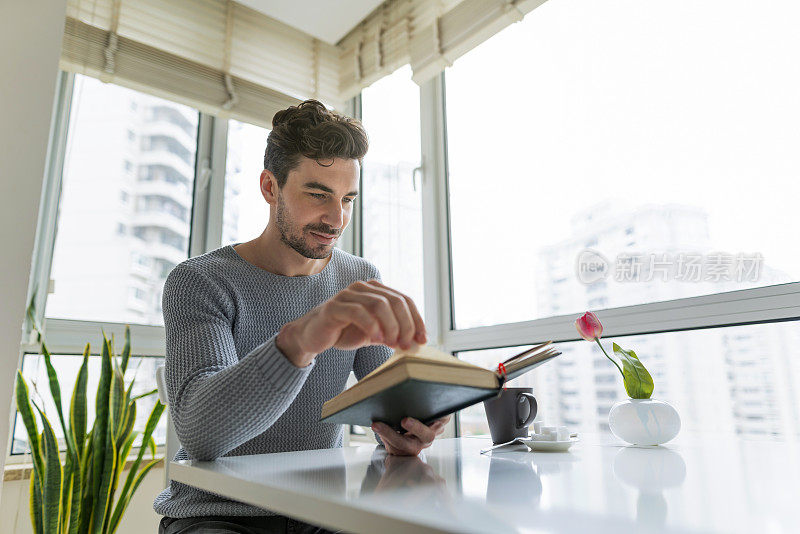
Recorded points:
(178, 50)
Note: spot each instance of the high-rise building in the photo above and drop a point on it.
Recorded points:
(726, 379)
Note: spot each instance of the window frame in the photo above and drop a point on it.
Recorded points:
(774, 303)
(69, 336)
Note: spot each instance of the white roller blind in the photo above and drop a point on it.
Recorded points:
(428, 34)
(227, 59)
(460, 30)
(215, 55)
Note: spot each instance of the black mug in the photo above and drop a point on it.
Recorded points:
(510, 413)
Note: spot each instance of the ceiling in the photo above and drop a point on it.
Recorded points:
(327, 20)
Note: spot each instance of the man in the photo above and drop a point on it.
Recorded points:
(260, 334)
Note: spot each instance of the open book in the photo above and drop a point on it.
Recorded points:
(426, 384)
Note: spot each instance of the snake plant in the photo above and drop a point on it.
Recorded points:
(78, 496)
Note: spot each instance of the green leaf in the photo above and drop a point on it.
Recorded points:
(26, 412)
(638, 382)
(35, 503)
(126, 350)
(69, 472)
(55, 391)
(128, 488)
(117, 399)
(87, 475)
(122, 504)
(77, 406)
(130, 419)
(100, 440)
(126, 447)
(143, 395)
(75, 502)
(103, 507)
(52, 479)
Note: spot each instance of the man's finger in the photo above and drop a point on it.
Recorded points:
(379, 308)
(399, 442)
(417, 428)
(420, 336)
(399, 306)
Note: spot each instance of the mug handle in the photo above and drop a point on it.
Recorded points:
(532, 402)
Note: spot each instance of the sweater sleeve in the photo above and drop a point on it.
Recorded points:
(217, 399)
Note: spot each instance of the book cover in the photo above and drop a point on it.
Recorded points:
(426, 384)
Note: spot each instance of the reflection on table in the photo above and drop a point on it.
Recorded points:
(703, 483)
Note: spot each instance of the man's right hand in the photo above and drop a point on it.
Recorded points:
(364, 313)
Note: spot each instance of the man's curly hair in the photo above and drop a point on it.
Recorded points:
(309, 129)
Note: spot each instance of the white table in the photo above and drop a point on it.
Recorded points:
(693, 484)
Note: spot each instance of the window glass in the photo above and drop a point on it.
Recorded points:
(742, 379)
(125, 207)
(390, 196)
(67, 367)
(609, 154)
(245, 213)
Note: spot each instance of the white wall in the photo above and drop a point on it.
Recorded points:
(30, 45)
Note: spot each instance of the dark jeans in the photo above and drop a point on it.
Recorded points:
(219, 524)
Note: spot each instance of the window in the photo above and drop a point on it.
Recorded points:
(245, 212)
(109, 187)
(390, 195)
(67, 367)
(710, 388)
(592, 140)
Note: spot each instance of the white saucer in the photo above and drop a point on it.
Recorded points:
(552, 446)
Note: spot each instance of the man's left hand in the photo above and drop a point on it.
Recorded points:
(418, 436)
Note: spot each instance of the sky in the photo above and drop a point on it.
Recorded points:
(638, 101)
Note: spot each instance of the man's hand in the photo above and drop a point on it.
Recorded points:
(418, 436)
(364, 313)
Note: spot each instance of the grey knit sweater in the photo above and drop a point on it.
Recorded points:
(231, 391)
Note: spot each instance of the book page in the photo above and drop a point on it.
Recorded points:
(424, 353)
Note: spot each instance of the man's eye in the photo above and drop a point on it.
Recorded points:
(317, 195)
(348, 199)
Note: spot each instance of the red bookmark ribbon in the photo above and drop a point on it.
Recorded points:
(502, 370)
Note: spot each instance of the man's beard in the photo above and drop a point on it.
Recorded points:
(297, 242)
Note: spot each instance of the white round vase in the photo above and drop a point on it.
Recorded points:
(644, 421)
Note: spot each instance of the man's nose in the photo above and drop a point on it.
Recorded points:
(334, 216)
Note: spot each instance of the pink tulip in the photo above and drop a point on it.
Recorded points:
(589, 326)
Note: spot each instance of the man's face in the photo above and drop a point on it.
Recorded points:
(315, 204)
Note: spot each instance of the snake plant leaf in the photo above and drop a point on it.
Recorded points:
(152, 421)
(26, 412)
(100, 439)
(123, 504)
(35, 503)
(126, 447)
(75, 500)
(55, 392)
(638, 382)
(117, 399)
(126, 350)
(87, 492)
(51, 481)
(143, 395)
(68, 479)
(77, 406)
(130, 419)
(152, 445)
(110, 471)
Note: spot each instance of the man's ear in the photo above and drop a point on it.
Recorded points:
(269, 187)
